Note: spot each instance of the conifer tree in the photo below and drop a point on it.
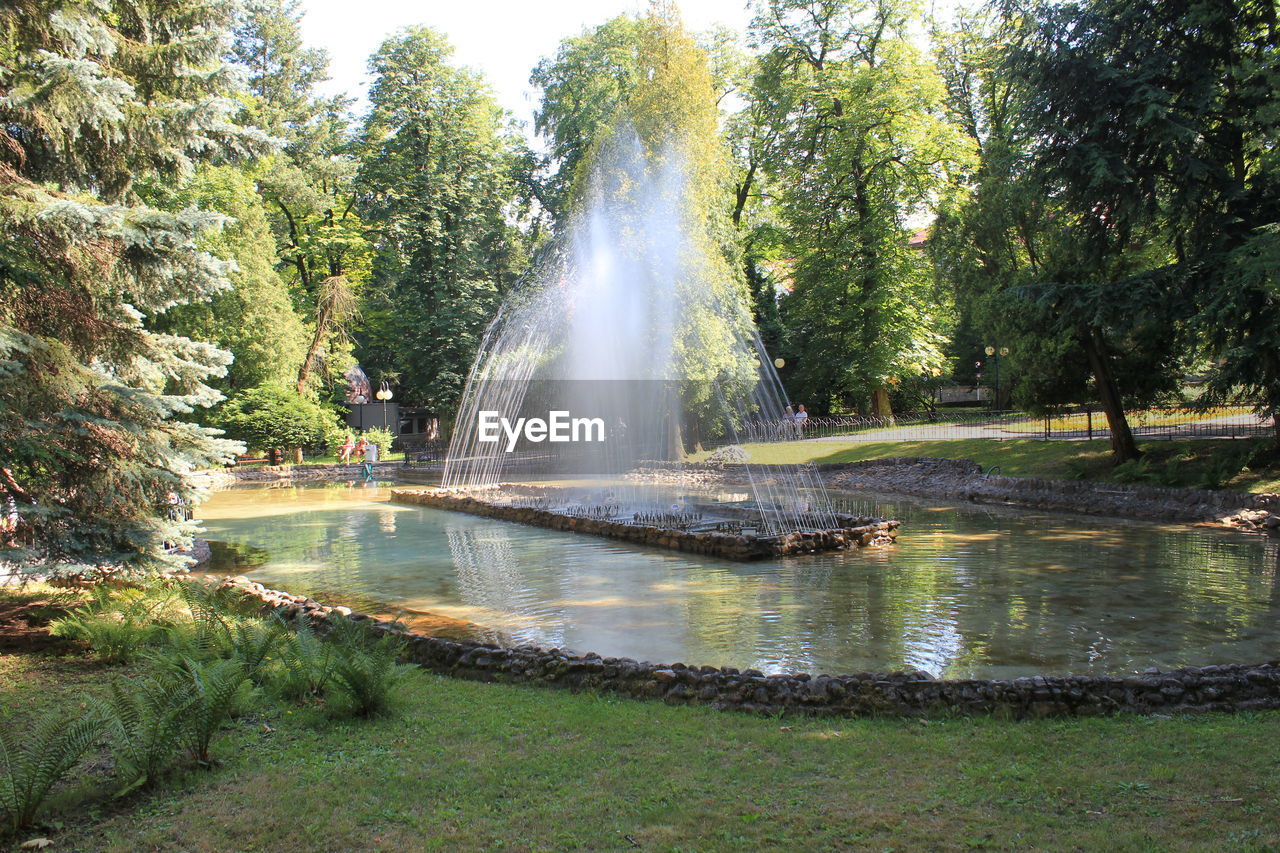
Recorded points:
(94, 452)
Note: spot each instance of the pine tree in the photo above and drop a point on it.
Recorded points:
(94, 96)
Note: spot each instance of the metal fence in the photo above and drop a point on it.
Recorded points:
(1081, 424)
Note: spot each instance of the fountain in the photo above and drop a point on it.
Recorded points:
(632, 346)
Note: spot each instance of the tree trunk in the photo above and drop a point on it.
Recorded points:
(880, 405)
(1123, 447)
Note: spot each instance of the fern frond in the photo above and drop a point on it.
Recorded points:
(29, 769)
(214, 686)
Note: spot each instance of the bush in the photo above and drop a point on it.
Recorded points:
(365, 673)
(118, 623)
(382, 438)
(306, 665)
(215, 689)
(29, 769)
(148, 716)
(270, 417)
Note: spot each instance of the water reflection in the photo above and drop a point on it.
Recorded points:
(967, 591)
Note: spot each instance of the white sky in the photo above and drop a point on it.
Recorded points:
(504, 39)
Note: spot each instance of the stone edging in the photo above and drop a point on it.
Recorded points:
(217, 478)
(962, 479)
(1188, 690)
(860, 533)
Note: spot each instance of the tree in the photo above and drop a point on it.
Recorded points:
(1149, 125)
(96, 97)
(255, 320)
(438, 188)
(591, 77)
(863, 150)
(309, 188)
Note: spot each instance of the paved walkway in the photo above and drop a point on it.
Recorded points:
(1223, 426)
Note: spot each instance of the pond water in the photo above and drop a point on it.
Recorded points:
(967, 591)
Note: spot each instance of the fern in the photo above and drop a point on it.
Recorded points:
(253, 641)
(306, 664)
(29, 769)
(148, 719)
(117, 623)
(364, 670)
(215, 687)
(115, 638)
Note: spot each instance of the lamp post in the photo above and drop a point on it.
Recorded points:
(384, 394)
(997, 352)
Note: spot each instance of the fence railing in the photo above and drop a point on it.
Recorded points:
(1081, 424)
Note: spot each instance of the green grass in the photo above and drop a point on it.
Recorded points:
(467, 766)
(1174, 463)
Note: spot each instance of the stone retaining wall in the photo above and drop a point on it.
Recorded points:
(962, 479)
(1192, 689)
(222, 478)
(725, 545)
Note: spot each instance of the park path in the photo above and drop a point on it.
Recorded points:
(1234, 425)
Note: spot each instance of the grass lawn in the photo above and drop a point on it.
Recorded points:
(468, 766)
(1189, 463)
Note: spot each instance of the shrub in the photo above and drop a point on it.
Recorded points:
(114, 637)
(365, 673)
(117, 623)
(215, 688)
(306, 665)
(253, 641)
(29, 769)
(148, 716)
(382, 438)
(270, 416)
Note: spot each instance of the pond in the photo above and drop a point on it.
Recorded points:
(968, 591)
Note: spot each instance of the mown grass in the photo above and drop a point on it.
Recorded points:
(1215, 463)
(467, 766)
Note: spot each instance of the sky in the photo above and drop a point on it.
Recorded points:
(504, 39)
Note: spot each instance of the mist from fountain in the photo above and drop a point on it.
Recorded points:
(638, 320)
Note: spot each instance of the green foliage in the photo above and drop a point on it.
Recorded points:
(114, 637)
(254, 641)
(306, 665)
(857, 149)
(148, 717)
(438, 176)
(382, 438)
(309, 189)
(98, 98)
(29, 768)
(255, 320)
(583, 87)
(116, 624)
(271, 416)
(214, 687)
(364, 670)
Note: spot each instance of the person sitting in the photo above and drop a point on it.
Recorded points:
(344, 452)
(801, 417)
